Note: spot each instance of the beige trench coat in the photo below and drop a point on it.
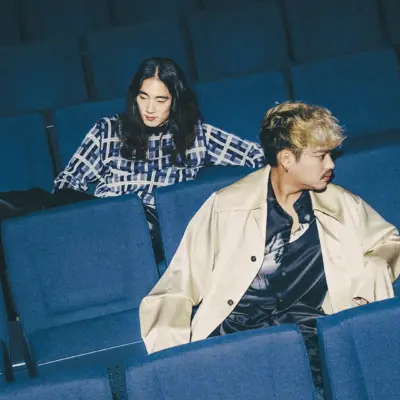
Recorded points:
(222, 251)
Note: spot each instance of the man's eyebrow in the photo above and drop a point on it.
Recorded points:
(322, 151)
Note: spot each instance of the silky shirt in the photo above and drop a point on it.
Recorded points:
(291, 285)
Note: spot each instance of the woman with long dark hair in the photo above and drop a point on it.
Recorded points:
(160, 139)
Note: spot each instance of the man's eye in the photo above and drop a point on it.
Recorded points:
(161, 101)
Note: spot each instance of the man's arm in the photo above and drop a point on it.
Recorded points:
(165, 314)
(85, 165)
(228, 149)
(380, 238)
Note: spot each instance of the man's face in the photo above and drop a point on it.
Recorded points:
(154, 102)
(314, 169)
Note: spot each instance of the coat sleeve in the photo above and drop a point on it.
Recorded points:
(165, 313)
(380, 239)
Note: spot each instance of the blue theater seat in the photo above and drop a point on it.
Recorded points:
(263, 364)
(44, 19)
(362, 90)
(373, 173)
(91, 385)
(238, 41)
(24, 154)
(41, 75)
(115, 54)
(5, 365)
(9, 23)
(238, 105)
(73, 123)
(130, 12)
(77, 275)
(321, 29)
(177, 204)
(391, 14)
(360, 352)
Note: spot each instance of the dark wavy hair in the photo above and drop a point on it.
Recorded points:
(183, 117)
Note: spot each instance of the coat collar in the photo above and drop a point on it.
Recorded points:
(250, 193)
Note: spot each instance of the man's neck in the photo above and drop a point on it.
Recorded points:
(286, 191)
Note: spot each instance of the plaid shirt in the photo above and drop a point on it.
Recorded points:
(98, 161)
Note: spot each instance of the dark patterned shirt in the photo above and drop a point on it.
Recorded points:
(98, 161)
(290, 286)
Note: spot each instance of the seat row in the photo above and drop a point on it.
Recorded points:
(49, 73)
(359, 352)
(77, 273)
(359, 20)
(362, 90)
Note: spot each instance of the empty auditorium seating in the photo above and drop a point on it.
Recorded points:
(238, 105)
(373, 173)
(43, 19)
(362, 90)
(91, 385)
(238, 41)
(24, 154)
(176, 204)
(360, 351)
(115, 54)
(73, 123)
(77, 275)
(41, 75)
(265, 364)
(321, 29)
(10, 29)
(130, 12)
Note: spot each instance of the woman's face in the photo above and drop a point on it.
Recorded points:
(154, 102)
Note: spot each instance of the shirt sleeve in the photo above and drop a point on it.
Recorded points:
(165, 313)
(85, 165)
(228, 149)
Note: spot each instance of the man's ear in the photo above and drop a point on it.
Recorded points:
(286, 159)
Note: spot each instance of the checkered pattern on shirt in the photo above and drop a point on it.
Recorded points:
(98, 160)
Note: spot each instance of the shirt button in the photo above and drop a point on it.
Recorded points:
(253, 258)
(230, 302)
(283, 273)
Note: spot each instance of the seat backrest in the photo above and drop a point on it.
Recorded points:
(73, 123)
(238, 105)
(24, 154)
(44, 19)
(314, 27)
(260, 364)
(177, 204)
(362, 90)
(374, 174)
(126, 47)
(9, 23)
(360, 352)
(130, 12)
(238, 40)
(226, 4)
(88, 385)
(5, 366)
(391, 14)
(78, 262)
(41, 75)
